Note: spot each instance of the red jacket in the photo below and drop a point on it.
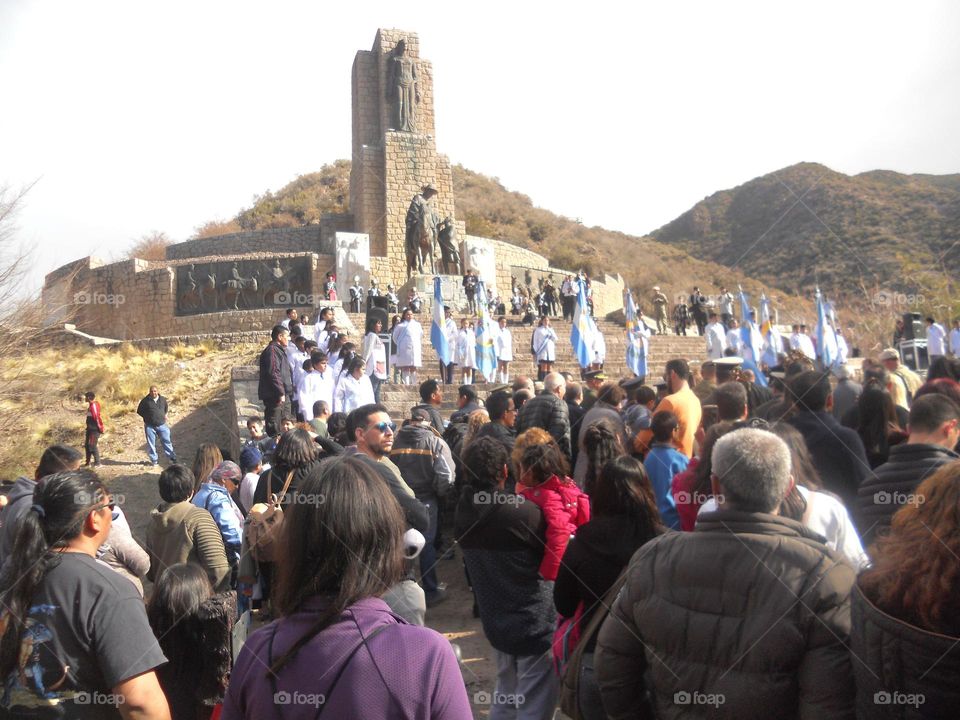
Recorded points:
(565, 507)
(94, 419)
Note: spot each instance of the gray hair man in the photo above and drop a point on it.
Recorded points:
(548, 411)
(749, 612)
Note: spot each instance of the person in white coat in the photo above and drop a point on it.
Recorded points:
(716, 336)
(734, 339)
(503, 346)
(374, 354)
(316, 385)
(408, 337)
(451, 332)
(467, 350)
(843, 350)
(599, 350)
(324, 317)
(935, 339)
(955, 339)
(805, 344)
(544, 347)
(354, 388)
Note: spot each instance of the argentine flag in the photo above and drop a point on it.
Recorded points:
(636, 340)
(581, 334)
(752, 340)
(486, 354)
(774, 343)
(826, 336)
(437, 336)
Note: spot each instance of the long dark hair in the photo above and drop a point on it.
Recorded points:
(804, 472)
(61, 503)
(207, 458)
(701, 474)
(623, 488)
(172, 612)
(878, 417)
(347, 544)
(601, 442)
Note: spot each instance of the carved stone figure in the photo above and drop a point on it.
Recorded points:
(232, 289)
(403, 88)
(421, 224)
(447, 238)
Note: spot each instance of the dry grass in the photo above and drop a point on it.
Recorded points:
(41, 393)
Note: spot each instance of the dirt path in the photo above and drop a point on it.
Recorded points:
(203, 416)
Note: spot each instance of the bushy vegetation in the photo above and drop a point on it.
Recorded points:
(807, 225)
(43, 392)
(302, 201)
(152, 246)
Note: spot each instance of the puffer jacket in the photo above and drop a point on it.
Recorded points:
(424, 459)
(745, 617)
(550, 413)
(565, 508)
(901, 671)
(890, 485)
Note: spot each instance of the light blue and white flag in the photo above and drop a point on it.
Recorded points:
(827, 348)
(437, 335)
(636, 340)
(752, 340)
(486, 353)
(773, 344)
(581, 334)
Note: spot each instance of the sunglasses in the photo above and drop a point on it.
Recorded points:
(384, 426)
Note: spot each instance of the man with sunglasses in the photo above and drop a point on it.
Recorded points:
(370, 427)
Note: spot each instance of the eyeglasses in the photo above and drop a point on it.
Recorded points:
(112, 505)
(384, 426)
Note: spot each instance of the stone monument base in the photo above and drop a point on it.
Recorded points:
(451, 288)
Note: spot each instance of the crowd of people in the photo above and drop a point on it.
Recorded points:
(695, 544)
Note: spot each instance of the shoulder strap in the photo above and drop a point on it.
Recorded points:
(336, 678)
(286, 486)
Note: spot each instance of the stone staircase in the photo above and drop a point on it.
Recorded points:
(400, 398)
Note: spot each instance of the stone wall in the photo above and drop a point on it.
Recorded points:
(135, 299)
(309, 238)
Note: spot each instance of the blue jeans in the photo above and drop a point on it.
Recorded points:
(428, 556)
(376, 383)
(164, 432)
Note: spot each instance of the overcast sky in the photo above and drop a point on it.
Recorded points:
(139, 116)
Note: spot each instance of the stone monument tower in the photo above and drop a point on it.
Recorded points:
(394, 151)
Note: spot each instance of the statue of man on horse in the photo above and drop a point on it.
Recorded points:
(421, 226)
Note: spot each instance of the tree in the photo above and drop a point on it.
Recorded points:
(152, 246)
(20, 313)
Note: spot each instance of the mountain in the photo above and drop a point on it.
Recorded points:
(490, 210)
(807, 224)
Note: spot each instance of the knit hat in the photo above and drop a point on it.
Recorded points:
(227, 470)
(250, 457)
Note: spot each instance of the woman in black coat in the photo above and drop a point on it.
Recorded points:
(905, 610)
(624, 517)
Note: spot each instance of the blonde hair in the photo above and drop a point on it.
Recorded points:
(477, 419)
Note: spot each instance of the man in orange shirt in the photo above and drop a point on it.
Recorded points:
(681, 402)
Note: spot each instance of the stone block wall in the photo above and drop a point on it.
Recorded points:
(135, 299)
(276, 240)
(368, 196)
